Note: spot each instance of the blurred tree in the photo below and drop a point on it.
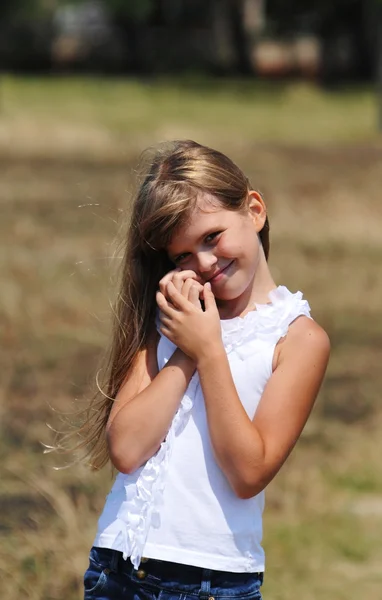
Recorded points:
(239, 35)
(134, 18)
(11, 10)
(25, 34)
(156, 32)
(130, 19)
(379, 61)
(343, 27)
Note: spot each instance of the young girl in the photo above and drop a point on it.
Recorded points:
(213, 373)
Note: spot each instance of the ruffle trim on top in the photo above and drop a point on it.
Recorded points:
(144, 495)
(265, 325)
(144, 489)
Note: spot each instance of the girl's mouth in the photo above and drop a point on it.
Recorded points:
(220, 274)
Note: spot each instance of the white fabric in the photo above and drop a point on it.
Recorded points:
(179, 506)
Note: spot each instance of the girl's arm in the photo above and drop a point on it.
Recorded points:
(250, 453)
(145, 406)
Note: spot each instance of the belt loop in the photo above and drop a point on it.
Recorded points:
(205, 586)
(114, 561)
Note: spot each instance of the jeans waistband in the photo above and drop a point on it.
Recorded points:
(167, 570)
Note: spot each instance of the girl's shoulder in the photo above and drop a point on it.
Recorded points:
(307, 331)
(305, 339)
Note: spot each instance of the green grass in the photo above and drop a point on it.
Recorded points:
(231, 110)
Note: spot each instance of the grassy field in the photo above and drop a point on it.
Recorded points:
(68, 151)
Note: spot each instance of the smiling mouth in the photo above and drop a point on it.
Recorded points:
(220, 272)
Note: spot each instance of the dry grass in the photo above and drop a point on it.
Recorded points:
(324, 519)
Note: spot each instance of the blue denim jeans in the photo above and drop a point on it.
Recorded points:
(109, 577)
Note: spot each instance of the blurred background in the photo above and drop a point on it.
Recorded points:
(292, 92)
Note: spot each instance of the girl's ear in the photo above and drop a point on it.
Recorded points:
(257, 209)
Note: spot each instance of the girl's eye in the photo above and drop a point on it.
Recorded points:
(181, 257)
(208, 239)
(211, 236)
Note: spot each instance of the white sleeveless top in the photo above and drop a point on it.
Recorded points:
(179, 506)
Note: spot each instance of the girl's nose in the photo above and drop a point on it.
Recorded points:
(206, 261)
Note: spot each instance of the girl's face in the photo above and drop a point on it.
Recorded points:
(221, 245)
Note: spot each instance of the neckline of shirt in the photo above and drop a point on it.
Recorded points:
(256, 306)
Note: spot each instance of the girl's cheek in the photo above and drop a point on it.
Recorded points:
(224, 247)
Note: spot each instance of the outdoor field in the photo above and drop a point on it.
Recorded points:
(69, 149)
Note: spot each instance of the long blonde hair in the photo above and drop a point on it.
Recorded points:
(178, 173)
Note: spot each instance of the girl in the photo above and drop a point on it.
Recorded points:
(213, 373)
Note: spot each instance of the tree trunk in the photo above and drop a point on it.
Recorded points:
(240, 37)
(379, 65)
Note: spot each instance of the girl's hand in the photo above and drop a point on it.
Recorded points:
(183, 282)
(178, 278)
(184, 322)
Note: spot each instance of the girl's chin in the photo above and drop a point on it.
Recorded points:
(228, 291)
(226, 295)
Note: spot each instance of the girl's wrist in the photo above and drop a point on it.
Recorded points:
(211, 353)
(183, 361)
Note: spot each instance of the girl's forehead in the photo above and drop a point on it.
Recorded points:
(206, 211)
(205, 206)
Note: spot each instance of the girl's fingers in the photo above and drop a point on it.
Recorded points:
(177, 299)
(165, 280)
(177, 277)
(164, 306)
(186, 274)
(177, 280)
(165, 322)
(187, 286)
(180, 277)
(197, 288)
(208, 297)
(194, 295)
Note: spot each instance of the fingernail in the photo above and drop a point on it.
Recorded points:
(208, 285)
